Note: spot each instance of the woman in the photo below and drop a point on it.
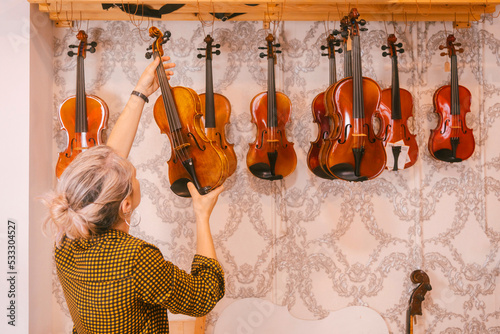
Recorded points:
(112, 281)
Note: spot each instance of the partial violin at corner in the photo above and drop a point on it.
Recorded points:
(396, 106)
(177, 113)
(82, 116)
(452, 140)
(271, 156)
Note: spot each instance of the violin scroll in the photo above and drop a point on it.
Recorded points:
(450, 45)
(417, 297)
(158, 44)
(209, 40)
(392, 46)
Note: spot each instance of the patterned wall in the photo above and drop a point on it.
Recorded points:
(315, 245)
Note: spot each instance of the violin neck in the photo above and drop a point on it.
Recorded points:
(347, 63)
(409, 321)
(332, 70)
(455, 98)
(81, 124)
(209, 96)
(396, 96)
(357, 80)
(168, 99)
(272, 117)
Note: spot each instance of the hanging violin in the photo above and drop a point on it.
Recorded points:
(357, 153)
(271, 156)
(417, 297)
(452, 140)
(217, 109)
(396, 107)
(82, 116)
(177, 112)
(330, 140)
(326, 123)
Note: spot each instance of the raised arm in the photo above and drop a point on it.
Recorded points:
(122, 136)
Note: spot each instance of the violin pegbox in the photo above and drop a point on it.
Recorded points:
(332, 42)
(271, 53)
(82, 37)
(158, 44)
(353, 23)
(450, 45)
(392, 46)
(208, 54)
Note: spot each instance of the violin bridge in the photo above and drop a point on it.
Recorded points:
(272, 140)
(181, 147)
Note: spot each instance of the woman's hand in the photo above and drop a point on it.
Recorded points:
(148, 82)
(204, 204)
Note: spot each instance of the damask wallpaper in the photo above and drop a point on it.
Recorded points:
(317, 245)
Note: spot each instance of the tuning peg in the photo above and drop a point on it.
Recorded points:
(344, 34)
(262, 48)
(262, 55)
(335, 32)
(339, 50)
(71, 53)
(399, 45)
(458, 44)
(460, 50)
(277, 45)
(200, 49)
(363, 29)
(216, 46)
(91, 50)
(441, 47)
(73, 46)
(323, 47)
(167, 34)
(216, 52)
(384, 47)
(401, 50)
(149, 47)
(93, 44)
(148, 55)
(385, 54)
(324, 54)
(362, 22)
(277, 51)
(200, 56)
(443, 54)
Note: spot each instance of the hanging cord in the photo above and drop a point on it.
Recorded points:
(418, 8)
(203, 22)
(138, 23)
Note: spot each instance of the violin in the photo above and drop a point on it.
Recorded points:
(326, 123)
(177, 113)
(417, 297)
(396, 107)
(217, 109)
(271, 156)
(452, 140)
(357, 154)
(82, 116)
(329, 141)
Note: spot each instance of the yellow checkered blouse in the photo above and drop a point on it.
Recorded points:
(116, 283)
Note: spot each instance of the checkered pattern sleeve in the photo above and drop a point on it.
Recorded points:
(159, 282)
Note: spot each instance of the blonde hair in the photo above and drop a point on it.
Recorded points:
(88, 196)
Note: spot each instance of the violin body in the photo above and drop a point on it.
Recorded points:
(209, 162)
(271, 140)
(217, 135)
(398, 128)
(440, 140)
(97, 120)
(356, 154)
